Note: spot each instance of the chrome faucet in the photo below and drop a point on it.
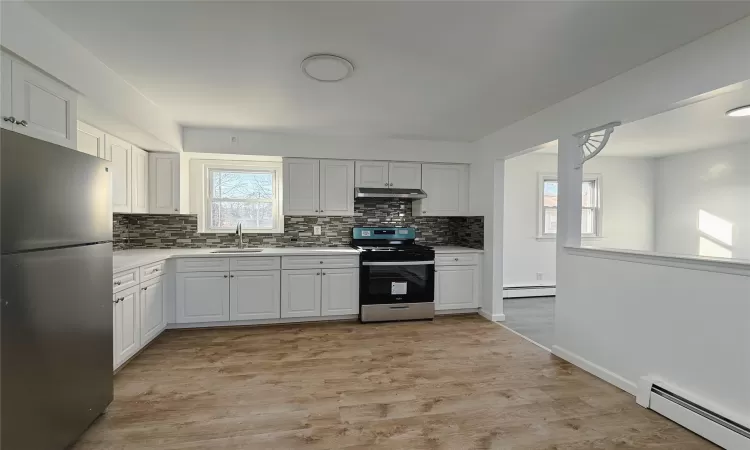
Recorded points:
(239, 234)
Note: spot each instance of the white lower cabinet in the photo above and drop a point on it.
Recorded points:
(340, 292)
(255, 295)
(202, 297)
(153, 319)
(458, 285)
(300, 293)
(127, 324)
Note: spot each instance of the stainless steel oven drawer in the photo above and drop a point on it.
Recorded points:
(401, 311)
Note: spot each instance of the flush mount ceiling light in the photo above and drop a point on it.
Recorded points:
(739, 112)
(327, 68)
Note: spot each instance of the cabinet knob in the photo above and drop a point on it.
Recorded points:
(455, 259)
(176, 210)
(316, 210)
(321, 262)
(143, 289)
(424, 212)
(324, 273)
(10, 119)
(23, 123)
(391, 184)
(231, 276)
(318, 273)
(117, 283)
(226, 276)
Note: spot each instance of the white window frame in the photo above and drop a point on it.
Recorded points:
(598, 208)
(201, 169)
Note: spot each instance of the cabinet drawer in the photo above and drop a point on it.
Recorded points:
(255, 263)
(315, 262)
(457, 259)
(152, 271)
(124, 280)
(203, 265)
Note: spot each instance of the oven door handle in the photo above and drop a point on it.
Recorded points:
(397, 263)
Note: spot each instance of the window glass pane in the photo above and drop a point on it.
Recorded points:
(588, 224)
(550, 221)
(241, 185)
(228, 214)
(588, 192)
(550, 194)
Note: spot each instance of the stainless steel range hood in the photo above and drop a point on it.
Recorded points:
(413, 194)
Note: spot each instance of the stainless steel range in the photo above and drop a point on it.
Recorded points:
(397, 276)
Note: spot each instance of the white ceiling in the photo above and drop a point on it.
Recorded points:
(698, 126)
(443, 71)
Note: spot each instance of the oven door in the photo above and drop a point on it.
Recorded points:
(395, 282)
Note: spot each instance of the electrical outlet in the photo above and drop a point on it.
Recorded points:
(539, 276)
(234, 140)
(317, 230)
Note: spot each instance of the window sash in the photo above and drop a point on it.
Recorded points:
(211, 200)
(595, 209)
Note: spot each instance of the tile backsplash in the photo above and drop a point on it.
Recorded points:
(133, 231)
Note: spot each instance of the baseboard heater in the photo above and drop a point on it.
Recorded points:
(713, 426)
(528, 291)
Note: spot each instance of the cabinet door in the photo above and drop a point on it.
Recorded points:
(90, 140)
(456, 287)
(43, 108)
(405, 175)
(152, 309)
(447, 189)
(119, 152)
(202, 297)
(336, 188)
(340, 292)
(164, 183)
(301, 187)
(6, 88)
(139, 180)
(300, 293)
(127, 329)
(255, 295)
(372, 174)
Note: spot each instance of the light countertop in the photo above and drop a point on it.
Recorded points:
(455, 249)
(129, 259)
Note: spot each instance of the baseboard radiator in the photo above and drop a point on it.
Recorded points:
(528, 291)
(713, 426)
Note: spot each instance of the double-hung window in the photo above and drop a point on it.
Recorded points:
(242, 194)
(591, 212)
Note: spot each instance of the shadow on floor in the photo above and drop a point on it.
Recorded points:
(533, 317)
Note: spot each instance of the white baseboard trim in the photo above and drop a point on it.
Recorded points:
(241, 323)
(529, 292)
(492, 317)
(596, 370)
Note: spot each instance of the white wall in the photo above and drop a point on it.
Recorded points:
(108, 101)
(213, 140)
(627, 213)
(687, 325)
(715, 181)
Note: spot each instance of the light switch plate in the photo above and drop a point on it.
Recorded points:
(317, 230)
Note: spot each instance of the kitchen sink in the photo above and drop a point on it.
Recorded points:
(238, 250)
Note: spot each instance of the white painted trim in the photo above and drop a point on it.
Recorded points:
(530, 292)
(596, 370)
(242, 323)
(446, 312)
(491, 317)
(734, 267)
(525, 337)
(643, 394)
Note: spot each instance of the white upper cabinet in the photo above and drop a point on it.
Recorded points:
(403, 175)
(336, 187)
(91, 140)
(119, 151)
(6, 88)
(447, 189)
(139, 165)
(340, 292)
(164, 183)
(372, 174)
(301, 187)
(255, 295)
(40, 107)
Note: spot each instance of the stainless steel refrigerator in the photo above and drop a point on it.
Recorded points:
(56, 296)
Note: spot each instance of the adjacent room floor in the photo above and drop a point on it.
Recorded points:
(459, 382)
(533, 317)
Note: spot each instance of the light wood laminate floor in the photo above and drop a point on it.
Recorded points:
(459, 382)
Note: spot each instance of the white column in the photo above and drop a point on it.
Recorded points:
(568, 193)
(498, 211)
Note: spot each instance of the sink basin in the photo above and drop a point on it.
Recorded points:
(238, 250)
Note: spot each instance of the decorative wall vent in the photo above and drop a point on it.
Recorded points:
(593, 141)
